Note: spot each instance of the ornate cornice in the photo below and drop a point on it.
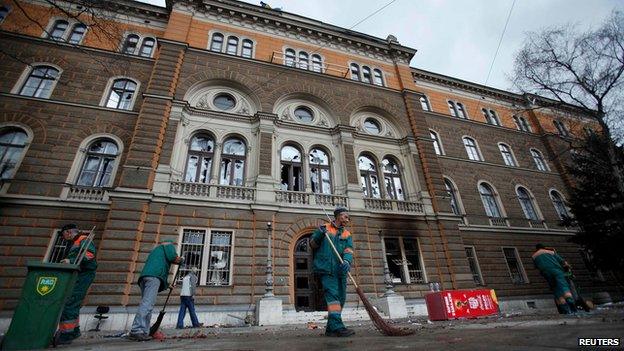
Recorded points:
(295, 27)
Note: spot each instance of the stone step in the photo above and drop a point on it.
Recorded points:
(348, 314)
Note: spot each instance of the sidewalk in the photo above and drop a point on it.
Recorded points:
(512, 331)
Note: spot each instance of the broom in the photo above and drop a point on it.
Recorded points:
(378, 321)
(161, 314)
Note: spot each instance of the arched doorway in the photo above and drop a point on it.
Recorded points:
(308, 288)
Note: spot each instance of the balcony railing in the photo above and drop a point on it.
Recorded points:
(302, 198)
(87, 194)
(190, 189)
(292, 197)
(235, 192)
(499, 222)
(416, 276)
(538, 223)
(330, 200)
(309, 65)
(393, 205)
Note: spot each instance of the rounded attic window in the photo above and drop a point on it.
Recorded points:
(224, 101)
(372, 126)
(304, 114)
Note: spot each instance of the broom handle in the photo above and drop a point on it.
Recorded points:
(340, 258)
(83, 250)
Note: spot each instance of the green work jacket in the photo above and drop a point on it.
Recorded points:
(325, 260)
(158, 263)
(88, 263)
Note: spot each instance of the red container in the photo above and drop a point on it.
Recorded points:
(453, 304)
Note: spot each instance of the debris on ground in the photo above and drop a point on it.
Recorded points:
(312, 325)
(159, 336)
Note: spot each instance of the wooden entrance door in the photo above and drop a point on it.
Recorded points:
(308, 290)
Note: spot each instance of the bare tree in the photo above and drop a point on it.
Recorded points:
(581, 69)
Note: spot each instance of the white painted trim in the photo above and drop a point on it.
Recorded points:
(481, 158)
(26, 74)
(203, 278)
(30, 136)
(79, 158)
(497, 198)
(538, 211)
(513, 155)
(439, 139)
(543, 158)
(239, 45)
(109, 86)
(517, 254)
(474, 252)
(460, 203)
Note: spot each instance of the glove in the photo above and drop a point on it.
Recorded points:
(345, 267)
(323, 229)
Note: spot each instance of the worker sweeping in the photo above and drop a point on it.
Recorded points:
(69, 328)
(333, 273)
(553, 268)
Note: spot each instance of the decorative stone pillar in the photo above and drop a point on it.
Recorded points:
(269, 307)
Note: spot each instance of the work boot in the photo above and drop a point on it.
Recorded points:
(571, 304)
(139, 337)
(340, 333)
(564, 308)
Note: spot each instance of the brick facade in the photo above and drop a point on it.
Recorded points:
(149, 198)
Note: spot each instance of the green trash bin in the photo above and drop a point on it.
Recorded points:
(36, 318)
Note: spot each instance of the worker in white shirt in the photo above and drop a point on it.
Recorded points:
(189, 282)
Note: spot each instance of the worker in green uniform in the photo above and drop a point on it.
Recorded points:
(553, 267)
(69, 328)
(334, 274)
(153, 279)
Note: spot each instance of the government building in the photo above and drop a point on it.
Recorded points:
(203, 121)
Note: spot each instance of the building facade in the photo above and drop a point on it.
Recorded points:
(205, 120)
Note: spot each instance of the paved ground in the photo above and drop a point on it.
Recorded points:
(507, 332)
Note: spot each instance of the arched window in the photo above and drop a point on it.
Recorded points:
(559, 203)
(199, 159)
(453, 197)
(522, 124)
(526, 202)
(130, 45)
(392, 179)
(317, 63)
(369, 178)
(303, 60)
(561, 128)
(40, 82)
(232, 45)
(377, 77)
(372, 126)
(490, 203)
(77, 33)
(217, 42)
(355, 71)
(58, 30)
(320, 175)
(291, 169)
(12, 144)
(147, 47)
(491, 117)
(437, 146)
(461, 112)
(289, 58)
(366, 74)
(424, 103)
(471, 149)
(540, 164)
(232, 162)
(247, 48)
(4, 11)
(121, 94)
(98, 165)
(505, 151)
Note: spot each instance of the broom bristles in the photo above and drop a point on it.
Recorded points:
(379, 322)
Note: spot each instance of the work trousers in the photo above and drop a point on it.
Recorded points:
(143, 318)
(69, 326)
(335, 289)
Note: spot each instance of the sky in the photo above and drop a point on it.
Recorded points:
(456, 38)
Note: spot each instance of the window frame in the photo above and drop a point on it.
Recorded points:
(366, 174)
(425, 105)
(529, 200)
(213, 41)
(204, 269)
(233, 158)
(495, 198)
(81, 155)
(437, 143)
(201, 155)
(232, 41)
(247, 44)
(7, 9)
(291, 170)
(115, 157)
(406, 278)
(535, 152)
(522, 271)
(395, 195)
(475, 146)
(562, 130)
(108, 92)
(29, 137)
(522, 124)
(21, 82)
(478, 272)
(320, 167)
(491, 117)
(562, 201)
(455, 196)
(512, 158)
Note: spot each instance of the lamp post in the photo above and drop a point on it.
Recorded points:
(387, 278)
(269, 266)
